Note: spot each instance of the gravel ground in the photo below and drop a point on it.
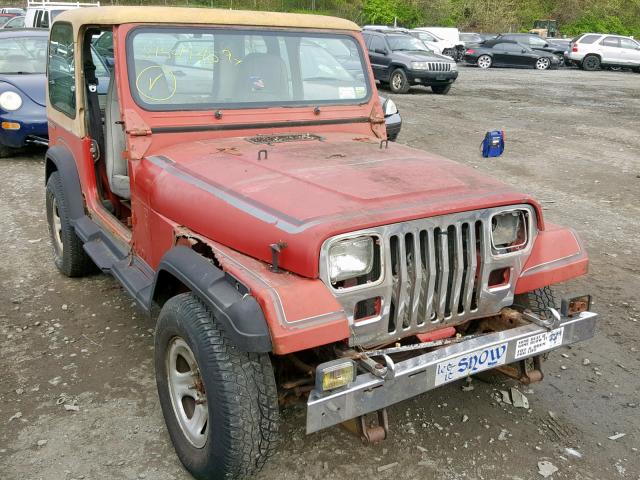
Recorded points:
(572, 140)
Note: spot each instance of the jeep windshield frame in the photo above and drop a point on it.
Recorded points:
(277, 56)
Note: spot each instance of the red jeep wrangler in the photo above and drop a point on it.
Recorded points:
(236, 180)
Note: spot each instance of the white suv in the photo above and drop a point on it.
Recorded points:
(593, 50)
(40, 13)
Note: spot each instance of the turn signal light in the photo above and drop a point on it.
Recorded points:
(335, 374)
(576, 305)
(11, 126)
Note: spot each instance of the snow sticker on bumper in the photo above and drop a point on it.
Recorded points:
(539, 343)
(470, 363)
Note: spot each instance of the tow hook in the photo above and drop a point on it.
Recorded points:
(369, 433)
(550, 323)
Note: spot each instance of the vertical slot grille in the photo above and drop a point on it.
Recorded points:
(435, 274)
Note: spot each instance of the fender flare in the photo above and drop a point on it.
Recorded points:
(60, 159)
(235, 310)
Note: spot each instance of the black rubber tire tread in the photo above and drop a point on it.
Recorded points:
(74, 261)
(441, 89)
(241, 395)
(5, 151)
(537, 301)
(589, 68)
(405, 82)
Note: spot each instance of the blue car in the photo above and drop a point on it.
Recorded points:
(23, 113)
(23, 116)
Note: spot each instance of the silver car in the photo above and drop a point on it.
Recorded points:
(592, 51)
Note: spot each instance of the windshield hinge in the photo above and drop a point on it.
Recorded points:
(139, 132)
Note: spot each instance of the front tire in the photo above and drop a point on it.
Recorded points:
(441, 89)
(543, 63)
(591, 63)
(484, 61)
(68, 253)
(6, 151)
(220, 405)
(398, 82)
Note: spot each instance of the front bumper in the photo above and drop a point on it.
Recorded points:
(425, 372)
(427, 77)
(31, 129)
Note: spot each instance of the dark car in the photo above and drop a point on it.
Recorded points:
(23, 59)
(350, 61)
(400, 61)
(533, 41)
(510, 54)
(392, 118)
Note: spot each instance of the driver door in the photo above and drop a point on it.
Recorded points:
(380, 61)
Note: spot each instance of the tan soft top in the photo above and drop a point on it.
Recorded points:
(213, 16)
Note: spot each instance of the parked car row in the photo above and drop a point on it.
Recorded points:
(589, 51)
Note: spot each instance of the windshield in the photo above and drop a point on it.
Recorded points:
(23, 55)
(203, 68)
(405, 42)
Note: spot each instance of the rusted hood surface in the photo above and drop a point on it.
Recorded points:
(303, 192)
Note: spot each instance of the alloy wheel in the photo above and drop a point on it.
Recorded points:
(188, 396)
(396, 81)
(484, 61)
(56, 228)
(543, 63)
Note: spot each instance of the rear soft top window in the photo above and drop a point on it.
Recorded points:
(199, 68)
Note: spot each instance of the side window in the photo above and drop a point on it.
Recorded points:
(513, 47)
(38, 16)
(628, 43)
(610, 42)
(589, 39)
(377, 43)
(61, 70)
(536, 42)
(367, 40)
(501, 47)
(44, 20)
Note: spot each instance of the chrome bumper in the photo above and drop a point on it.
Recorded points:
(422, 373)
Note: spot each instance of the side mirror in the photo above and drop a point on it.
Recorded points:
(524, 50)
(545, 45)
(380, 51)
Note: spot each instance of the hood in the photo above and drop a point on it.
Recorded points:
(420, 56)
(303, 192)
(33, 85)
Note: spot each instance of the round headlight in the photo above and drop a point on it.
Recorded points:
(350, 258)
(10, 101)
(390, 108)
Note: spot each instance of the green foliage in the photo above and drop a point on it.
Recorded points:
(385, 12)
